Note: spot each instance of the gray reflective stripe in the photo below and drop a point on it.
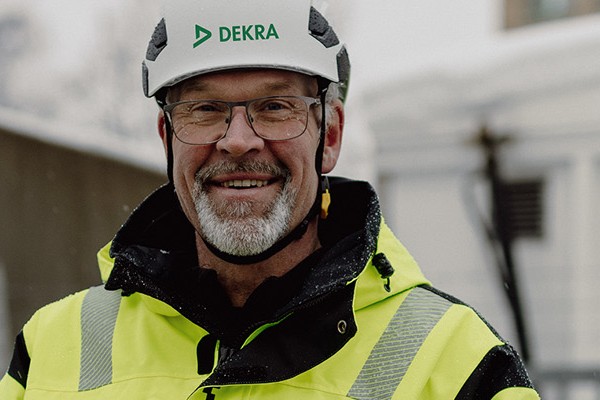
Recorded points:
(394, 352)
(98, 318)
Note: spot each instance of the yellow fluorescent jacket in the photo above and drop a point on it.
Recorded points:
(411, 342)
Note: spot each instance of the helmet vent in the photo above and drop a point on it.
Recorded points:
(343, 62)
(321, 30)
(158, 41)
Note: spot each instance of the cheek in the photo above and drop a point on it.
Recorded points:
(298, 156)
(187, 161)
(301, 162)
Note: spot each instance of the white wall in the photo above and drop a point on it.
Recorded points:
(546, 98)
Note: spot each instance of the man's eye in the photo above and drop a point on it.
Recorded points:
(205, 108)
(274, 106)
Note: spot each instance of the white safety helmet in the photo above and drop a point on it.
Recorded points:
(197, 37)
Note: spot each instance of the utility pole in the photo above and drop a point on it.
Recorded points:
(500, 236)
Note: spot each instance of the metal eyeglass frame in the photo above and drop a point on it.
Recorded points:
(309, 101)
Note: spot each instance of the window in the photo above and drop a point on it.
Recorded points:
(523, 203)
(525, 12)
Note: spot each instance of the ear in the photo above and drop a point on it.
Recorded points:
(162, 129)
(333, 138)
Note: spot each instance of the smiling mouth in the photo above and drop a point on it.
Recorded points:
(244, 184)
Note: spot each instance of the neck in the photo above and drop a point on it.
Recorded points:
(240, 281)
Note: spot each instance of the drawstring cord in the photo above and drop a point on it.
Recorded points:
(384, 268)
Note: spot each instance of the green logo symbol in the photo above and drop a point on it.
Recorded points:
(202, 35)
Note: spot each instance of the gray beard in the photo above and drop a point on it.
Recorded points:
(233, 227)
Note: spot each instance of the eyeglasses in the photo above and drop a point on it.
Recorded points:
(274, 118)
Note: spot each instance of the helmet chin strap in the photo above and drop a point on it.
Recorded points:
(320, 205)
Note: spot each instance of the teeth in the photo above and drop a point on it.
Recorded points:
(244, 183)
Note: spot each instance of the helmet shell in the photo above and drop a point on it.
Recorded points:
(198, 37)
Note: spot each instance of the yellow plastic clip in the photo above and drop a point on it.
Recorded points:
(325, 203)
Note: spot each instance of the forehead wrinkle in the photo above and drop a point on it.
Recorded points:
(275, 86)
(283, 86)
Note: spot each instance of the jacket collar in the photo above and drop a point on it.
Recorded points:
(157, 243)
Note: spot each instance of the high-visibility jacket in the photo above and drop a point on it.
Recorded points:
(365, 325)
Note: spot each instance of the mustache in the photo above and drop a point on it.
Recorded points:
(208, 173)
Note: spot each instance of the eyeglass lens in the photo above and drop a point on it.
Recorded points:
(272, 118)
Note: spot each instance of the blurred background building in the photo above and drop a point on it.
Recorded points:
(476, 121)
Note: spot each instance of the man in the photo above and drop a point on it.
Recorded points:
(238, 279)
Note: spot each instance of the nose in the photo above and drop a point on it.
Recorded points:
(240, 137)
